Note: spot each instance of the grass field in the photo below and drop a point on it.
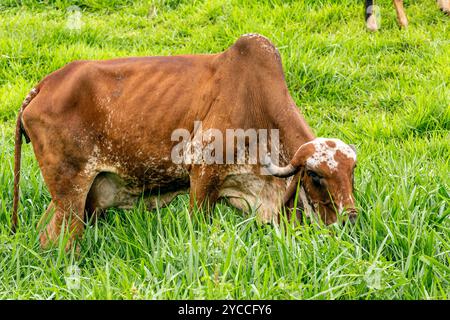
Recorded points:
(388, 93)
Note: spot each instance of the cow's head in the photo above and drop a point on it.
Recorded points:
(323, 170)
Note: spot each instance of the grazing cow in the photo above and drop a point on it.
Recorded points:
(373, 25)
(103, 135)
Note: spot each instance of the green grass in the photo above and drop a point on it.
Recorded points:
(388, 93)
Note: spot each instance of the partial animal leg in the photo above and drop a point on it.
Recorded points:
(69, 192)
(444, 5)
(371, 20)
(401, 15)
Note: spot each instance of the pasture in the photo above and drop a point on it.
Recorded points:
(386, 92)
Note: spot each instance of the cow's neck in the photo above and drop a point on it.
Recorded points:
(281, 110)
(296, 131)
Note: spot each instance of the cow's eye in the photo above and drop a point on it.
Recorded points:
(315, 178)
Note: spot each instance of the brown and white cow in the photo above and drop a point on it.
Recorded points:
(101, 132)
(372, 23)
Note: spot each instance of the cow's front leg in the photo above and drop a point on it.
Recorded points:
(204, 188)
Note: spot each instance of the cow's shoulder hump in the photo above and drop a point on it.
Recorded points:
(256, 45)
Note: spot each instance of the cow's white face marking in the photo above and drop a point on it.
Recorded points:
(324, 153)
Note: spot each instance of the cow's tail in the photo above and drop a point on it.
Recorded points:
(17, 156)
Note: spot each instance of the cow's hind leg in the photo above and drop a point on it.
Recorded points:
(45, 218)
(66, 211)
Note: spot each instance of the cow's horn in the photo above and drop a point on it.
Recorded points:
(292, 168)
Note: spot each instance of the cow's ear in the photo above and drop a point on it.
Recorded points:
(353, 147)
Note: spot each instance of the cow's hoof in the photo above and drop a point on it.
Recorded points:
(444, 5)
(46, 242)
(372, 24)
(49, 243)
(403, 23)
